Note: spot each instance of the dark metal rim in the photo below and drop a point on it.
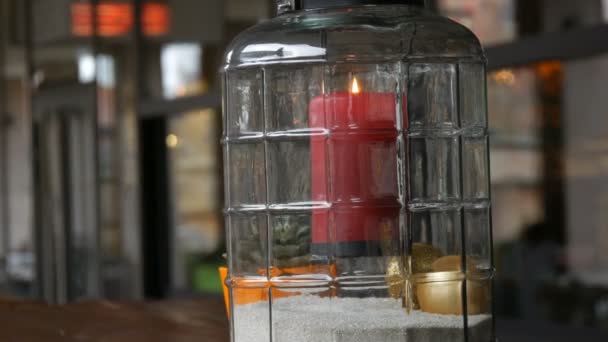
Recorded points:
(318, 4)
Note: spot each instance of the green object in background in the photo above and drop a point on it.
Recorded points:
(206, 278)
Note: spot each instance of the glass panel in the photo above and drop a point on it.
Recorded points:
(248, 174)
(479, 309)
(432, 96)
(363, 115)
(435, 233)
(248, 265)
(245, 103)
(472, 78)
(434, 169)
(477, 230)
(478, 237)
(289, 168)
(249, 245)
(475, 168)
(294, 89)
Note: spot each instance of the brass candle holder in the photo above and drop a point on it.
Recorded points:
(422, 259)
(437, 283)
(442, 291)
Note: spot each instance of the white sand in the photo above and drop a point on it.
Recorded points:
(315, 319)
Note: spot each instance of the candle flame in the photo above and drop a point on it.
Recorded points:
(355, 88)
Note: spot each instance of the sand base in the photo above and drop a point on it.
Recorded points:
(316, 319)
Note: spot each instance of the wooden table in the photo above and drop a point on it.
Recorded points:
(193, 320)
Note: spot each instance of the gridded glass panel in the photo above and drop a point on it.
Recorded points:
(293, 91)
(478, 239)
(369, 44)
(479, 272)
(362, 276)
(434, 169)
(435, 233)
(479, 308)
(359, 232)
(432, 101)
(248, 246)
(364, 169)
(475, 168)
(245, 102)
(472, 78)
(366, 245)
(289, 172)
(247, 175)
(298, 257)
(362, 97)
(291, 241)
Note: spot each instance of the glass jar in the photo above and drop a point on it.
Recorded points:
(357, 176)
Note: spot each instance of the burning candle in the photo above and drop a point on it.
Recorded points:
(360, 155)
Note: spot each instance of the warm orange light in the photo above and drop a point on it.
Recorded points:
(504, 76)
(355, 88)
(116, 19)
(155, 19)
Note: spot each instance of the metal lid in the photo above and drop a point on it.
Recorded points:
(313, 4)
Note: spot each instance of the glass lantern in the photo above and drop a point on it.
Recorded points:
(357, 176)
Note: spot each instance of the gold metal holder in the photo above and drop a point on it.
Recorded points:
(434, 283)
(442, 293)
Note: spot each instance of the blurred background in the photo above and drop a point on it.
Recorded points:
(110, 164)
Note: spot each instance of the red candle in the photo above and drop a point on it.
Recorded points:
(361, 158)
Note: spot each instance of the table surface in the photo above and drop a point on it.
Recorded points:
(187, 321)
(175, 321)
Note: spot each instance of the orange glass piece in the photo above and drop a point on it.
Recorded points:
(244, 296)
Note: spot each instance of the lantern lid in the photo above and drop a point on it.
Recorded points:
(317, 4)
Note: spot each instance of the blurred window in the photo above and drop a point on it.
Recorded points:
(195, 174)
(493, 21)
(182, 70)
(550, 190)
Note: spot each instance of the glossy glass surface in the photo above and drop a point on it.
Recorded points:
(357, 175)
